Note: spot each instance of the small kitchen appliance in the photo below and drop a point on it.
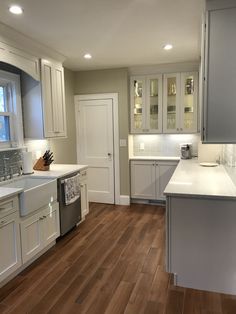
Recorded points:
(186, 151)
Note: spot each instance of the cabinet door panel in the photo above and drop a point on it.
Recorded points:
(166, 171)
(188, 106)
(84, 199)
(220, 77)
(171, 103)
(137, 93)
(143, 179)
(60, 102)
(50, 122)
(10, 255)
(154, 103)
(51, 224)
(31, 237)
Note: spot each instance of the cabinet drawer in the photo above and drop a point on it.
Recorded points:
(8, 206)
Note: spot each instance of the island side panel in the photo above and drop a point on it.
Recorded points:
(201, 238)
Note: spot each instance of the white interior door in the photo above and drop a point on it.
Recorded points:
(95, 147)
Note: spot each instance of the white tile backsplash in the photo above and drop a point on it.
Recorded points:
(229, 155)
(162, 144)
(37, 147)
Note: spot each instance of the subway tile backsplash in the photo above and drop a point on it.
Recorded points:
(162, 144)
(10, 163)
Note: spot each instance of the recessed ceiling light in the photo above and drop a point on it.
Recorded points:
(168, 47)
(87, 56)
(16, 9)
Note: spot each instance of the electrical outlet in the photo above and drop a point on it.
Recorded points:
(141, 146)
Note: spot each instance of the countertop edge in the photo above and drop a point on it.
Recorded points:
(54, 173)
(164, 158)
(5, 194)
(202, 196)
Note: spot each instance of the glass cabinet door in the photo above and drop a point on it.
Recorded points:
(171, 102)
(189, 90)
(154, 103)
(137, 104)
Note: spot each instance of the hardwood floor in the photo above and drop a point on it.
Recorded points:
(113, 263)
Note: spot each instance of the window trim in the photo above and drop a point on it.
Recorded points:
(12, 82)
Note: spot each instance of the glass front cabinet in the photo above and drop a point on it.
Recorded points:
(180, 93)
(146, 104)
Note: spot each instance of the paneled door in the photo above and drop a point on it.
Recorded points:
(95, 147)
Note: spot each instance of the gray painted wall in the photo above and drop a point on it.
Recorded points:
(110, 81)
(95, 82)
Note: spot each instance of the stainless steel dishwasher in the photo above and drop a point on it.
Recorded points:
(70, 214)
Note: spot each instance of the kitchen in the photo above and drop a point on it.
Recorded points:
(122, 282)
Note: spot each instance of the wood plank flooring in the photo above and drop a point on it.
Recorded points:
(113, 263)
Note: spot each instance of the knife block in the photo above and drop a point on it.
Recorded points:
(39, 165)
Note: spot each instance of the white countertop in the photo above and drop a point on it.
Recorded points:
(59, 170)
(8, 192)
(191, 179)
(56, 171)
(167, 158)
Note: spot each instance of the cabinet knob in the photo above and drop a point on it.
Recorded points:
(181, 129)
(177, 129)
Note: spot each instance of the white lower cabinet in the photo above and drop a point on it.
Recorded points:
(10, 253)
(39, 230)
(84, 193)
(149, 178)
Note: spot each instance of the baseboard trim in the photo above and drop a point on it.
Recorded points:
(124, 200)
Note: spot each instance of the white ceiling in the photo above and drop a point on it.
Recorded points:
(118, 33)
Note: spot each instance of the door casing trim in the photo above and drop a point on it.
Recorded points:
(114, 97)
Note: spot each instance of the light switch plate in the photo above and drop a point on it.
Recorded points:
(123, 142)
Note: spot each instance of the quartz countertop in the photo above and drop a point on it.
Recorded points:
(191, 179)
(168, 158)
(8, 192)
(56, 171)
(59, 170)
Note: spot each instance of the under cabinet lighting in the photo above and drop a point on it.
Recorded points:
(16, 9)
(87, 56)
(168, 47)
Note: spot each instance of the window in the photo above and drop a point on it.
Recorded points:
(4, 115)
(11, 129)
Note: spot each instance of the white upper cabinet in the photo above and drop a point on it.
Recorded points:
(27, 63)
(146, 104)
(219, 75)
(44, 103)
(180, 103)
(53, 97)
(171, 109)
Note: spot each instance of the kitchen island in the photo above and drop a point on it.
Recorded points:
(201, 227)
